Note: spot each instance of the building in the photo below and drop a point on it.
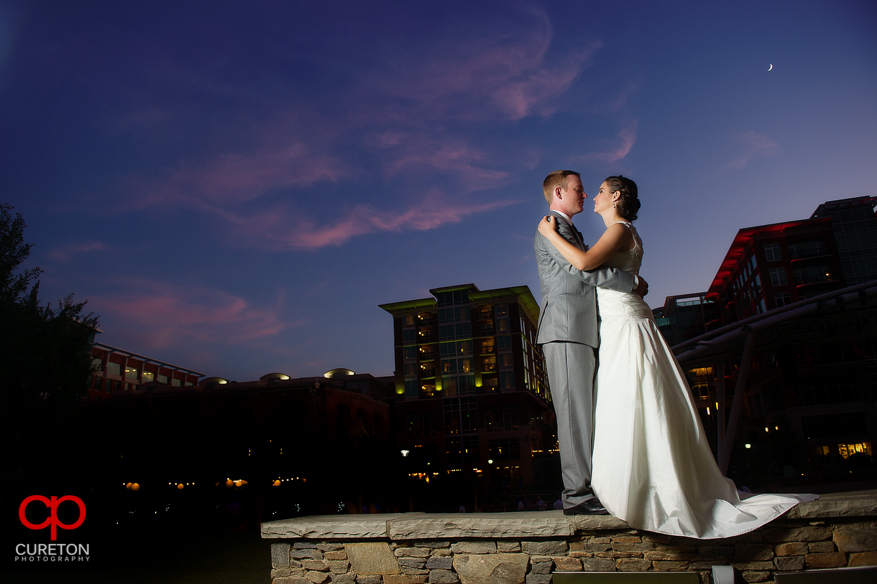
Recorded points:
(799, 361)
(276, 444)
(471, 390)
(770, 266)
(117, 371)
(686, 316)
(854, 223)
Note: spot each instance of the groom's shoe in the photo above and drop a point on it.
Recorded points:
(589, 507)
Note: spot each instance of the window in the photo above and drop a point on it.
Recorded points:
(451, 298)
(408, 336)
(461, 415)
(463, 365)
(131, 373)
(778, 276)
(834, 426)
(162, 378)
(806, 249)
(408, 320)
(410, 369)
(412, 388)
(458, 385)
(463, 449)
(782, 299)
(847, 450)
(812, 274)
(114, 368)
(504, 342)
(506, 361)
(772, 252)
(456, 349)
(501, 418)
(486, 329)
(502, 325)
(504, 449)
(507, 380)
(148, 376)
(409, 353)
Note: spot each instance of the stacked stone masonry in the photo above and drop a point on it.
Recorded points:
(835, 531)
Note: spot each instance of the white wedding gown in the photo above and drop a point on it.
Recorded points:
(652, 464)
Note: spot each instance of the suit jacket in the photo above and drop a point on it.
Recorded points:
(569, 296)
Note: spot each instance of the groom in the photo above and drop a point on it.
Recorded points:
(569, 336)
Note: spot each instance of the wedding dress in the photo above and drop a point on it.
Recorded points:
(652, 464)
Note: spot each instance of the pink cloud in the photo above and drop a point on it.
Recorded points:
(166, 315)
(64, 255)
(453, 156)
(492, 72)
(626, 140)
(284, 229)
(754, 146)
(238, 177)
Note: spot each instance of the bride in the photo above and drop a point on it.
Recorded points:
(652, 464)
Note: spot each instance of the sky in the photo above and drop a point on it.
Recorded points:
(234, 187)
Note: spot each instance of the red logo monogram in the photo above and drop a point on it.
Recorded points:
(52, 504)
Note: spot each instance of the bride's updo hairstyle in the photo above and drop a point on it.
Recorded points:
(628, 204)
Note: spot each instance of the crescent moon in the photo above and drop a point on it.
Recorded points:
(771, 67)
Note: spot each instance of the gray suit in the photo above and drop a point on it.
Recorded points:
(569, 334)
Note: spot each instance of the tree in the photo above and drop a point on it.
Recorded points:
(45, 352)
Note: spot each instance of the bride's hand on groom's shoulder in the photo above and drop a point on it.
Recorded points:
(547, 225)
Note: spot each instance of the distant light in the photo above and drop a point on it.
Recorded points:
(766, 429)
(405, 453)
(749, 446)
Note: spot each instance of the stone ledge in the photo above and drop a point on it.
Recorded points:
(520, 525)
(332, 526)
(412, 526)
(851, 504)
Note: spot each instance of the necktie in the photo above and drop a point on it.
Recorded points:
(578, 236)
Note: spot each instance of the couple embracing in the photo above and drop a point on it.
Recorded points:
(630, 437)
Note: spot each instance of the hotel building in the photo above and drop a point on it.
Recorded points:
(471, 390)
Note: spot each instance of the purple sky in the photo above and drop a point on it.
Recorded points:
(236, 186)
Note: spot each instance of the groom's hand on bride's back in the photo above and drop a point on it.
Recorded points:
(642, 288)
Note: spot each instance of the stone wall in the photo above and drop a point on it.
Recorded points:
(838, 530)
